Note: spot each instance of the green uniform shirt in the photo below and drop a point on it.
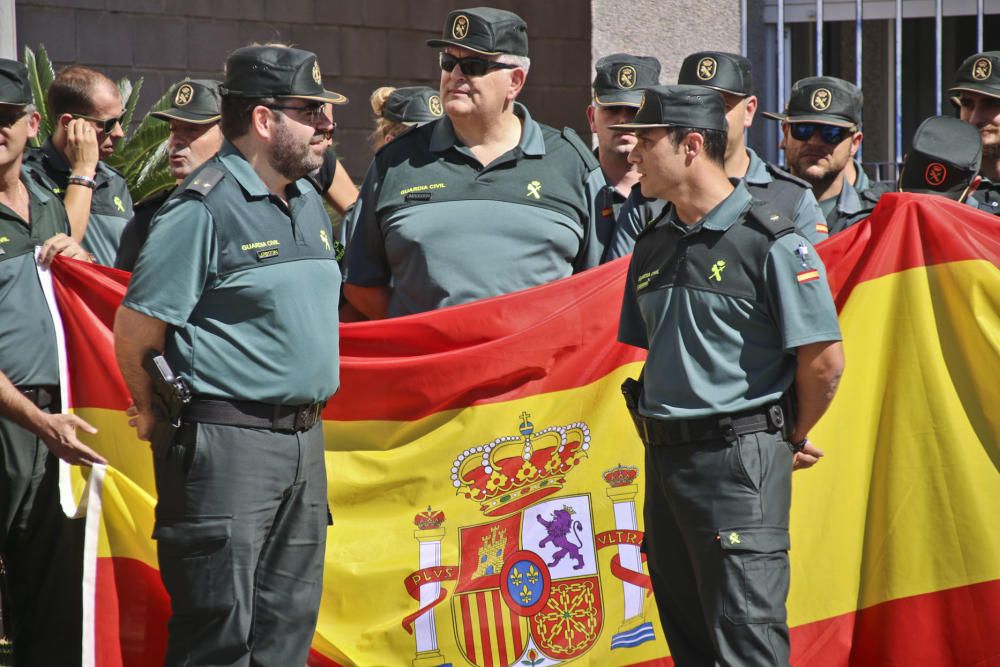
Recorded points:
(136, 230)
(444, 229)
(249, 287)
(721, 325)
(808, 217)
(110, 206)
(986, 197)
(27, 335)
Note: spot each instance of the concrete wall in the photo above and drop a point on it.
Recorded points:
(361, 44)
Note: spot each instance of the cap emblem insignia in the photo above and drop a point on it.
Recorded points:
(434, 105)
(981, 69)
(821, 99)
(707, 67)
(460, 28)
(626, 77)
(317, 77)
(935, 174)
(184, 95)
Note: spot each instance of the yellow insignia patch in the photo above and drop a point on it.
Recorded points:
(981, 69)
(317, 76)
(626, 77)
(717, 270)
(119, 204)
(325, 239)
(535, 189)
(434, 105)
(184, 95)
(707, 67)
(4, 239)
(460, 27)
(821, 99)
(734, 538)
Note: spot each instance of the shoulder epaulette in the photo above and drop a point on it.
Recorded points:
(778, 172)
(38, 174)
(570, 135)
(651, 224)
(773, 222)
(204, 181)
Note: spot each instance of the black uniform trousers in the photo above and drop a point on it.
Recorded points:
(716, 538)
(42, 551)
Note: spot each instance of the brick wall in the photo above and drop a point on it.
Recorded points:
(361, 44)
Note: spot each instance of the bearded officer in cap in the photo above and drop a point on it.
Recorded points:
(194, 137)
(482, 202)
(733, 306)
(224, 290)
(977, 87)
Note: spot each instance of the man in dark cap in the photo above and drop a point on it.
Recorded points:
(529, 189)
(41, 548)
(617, 90)
(733, 306)
(731, 76)
(86, 111)
(944, 159)
(194, 137)
(237, 289)
(977, 86)
(821, 134)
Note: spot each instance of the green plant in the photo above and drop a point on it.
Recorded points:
(141, 156)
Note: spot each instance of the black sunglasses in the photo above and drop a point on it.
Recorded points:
(10, 117)
(313, 112)
(105, 125)
(831, 134)
(471, 66)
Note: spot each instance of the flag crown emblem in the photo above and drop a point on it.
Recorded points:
(429, 520)
(513, 471)
(620, 476)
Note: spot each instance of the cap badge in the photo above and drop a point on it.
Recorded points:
(981, 69)
(935, 174)
(821, 99)
(184, 95)
(460, 28)
(707, 67)
(317, 77)
(626, 77)
(434, 105)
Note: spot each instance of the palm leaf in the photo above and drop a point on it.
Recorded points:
(46, 75)
(38, 93)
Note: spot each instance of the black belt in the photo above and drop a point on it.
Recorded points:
(660, 432)
(43, 395)
(250, 414)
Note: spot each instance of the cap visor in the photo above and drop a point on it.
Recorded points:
(623, 98)
(954, 194)
(186, 116)
(325, 96)
(728, 91)
(448, 42)
(982, 89)
(638, 126)
(810, 118)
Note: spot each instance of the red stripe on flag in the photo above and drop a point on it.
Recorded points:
(131, 609)
(500, 615)
(470, 641)
(484, 630)
(515, 635)
(317, 659)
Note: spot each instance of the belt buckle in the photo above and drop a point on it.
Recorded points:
(307, 417)
(727, 429)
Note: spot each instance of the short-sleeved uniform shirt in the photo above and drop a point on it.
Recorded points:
(721, 324)
(986, 197)
(136, 230)
(444, 229)
(854, 203)
(248, 285)
(27, 335)
(110, 205)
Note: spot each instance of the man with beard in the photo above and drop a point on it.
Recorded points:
(86, 111)
(821, 134)
(237, 288)
(977, 86)
(194, 137)
(482, 202)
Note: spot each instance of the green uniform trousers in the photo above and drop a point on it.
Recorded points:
(42, 551)
(716, 538)
(241, 523)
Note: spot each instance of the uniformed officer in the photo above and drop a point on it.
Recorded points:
(87, 111)
(977, 86)
(731, 76)
(619, 81)
(482, 202)
(733, 306)
(944, 159)
(230, 287)
(821, 134)
(39, 545)
(194, 137)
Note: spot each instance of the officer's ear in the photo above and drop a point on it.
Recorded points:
(856, 140)
(591, 112)
(751, 103)
(262, 121)
(64, 120)
(693, 145)
(517, 79)
(784, 136)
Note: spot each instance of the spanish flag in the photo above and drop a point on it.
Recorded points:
(487, 484)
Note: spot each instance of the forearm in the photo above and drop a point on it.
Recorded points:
(373, 302)
(820, 366)
(15, 406)
(342, 192)
(77, 202)
(135, 336)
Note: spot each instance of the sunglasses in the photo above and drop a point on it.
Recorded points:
(9, 117)
(471, 66)
(831, 134)
(312, 112)
(105, 125)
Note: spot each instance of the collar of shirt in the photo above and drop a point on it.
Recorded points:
(35, 191)
(722, 217)
(862, 182)
(249, 180)
(532, 143)
(756, 170)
